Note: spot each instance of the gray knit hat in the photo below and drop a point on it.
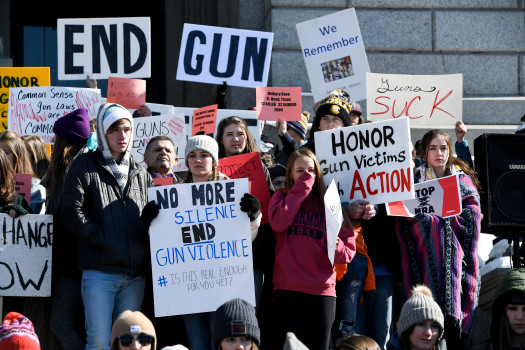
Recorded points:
(204, 143)
(236, 318)
(420, 307)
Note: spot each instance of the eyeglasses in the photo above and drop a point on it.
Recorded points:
(126, 339)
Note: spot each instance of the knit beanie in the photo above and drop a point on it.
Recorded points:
(300, 126)
(74, 126)
(356, 108)
(17, 332)
(134, 323)
(420, 307)
(337, 104)
(276, 171)
(236, 318)
(204, 143)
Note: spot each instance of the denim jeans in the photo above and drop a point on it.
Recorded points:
(376, 311)
(199, 329)
(106, 295)
(349, 290)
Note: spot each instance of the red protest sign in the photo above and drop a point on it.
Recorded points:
(249, 166)
(274, 103)
(162, 181)
(204, 120)
(23, 186)
(129, 93)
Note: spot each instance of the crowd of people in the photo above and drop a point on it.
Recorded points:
(396, 283)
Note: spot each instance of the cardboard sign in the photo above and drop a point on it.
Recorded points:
(103, 47)
(441, 197)
(129, 93)
(14, 77)
(25, 255)
(428, 100)
(144, 129)
(369, 161)
(23, 186)
(334, 219)
(216, 54)
(249, 166)
(204, 120)
(34, 110)
(201, 249)
(274, 103)
(334, 54)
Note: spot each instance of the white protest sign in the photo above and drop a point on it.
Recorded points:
(216, 54)
(440, 197)
(369, 161)
(201, 247)
(25, 255)
(428, 100)
(103, 47)
(144, 129)
(34, 110)
(334, 54)
(334, 218)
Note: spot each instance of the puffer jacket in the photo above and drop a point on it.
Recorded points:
(106, 219)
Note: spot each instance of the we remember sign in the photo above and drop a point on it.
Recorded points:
(25, 255)
(428, 100)
(334, 54)
(34, 110)
(369, 161)
(201, 249)
(216, 54)
(103, 47)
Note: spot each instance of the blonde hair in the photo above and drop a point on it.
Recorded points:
(18, 148)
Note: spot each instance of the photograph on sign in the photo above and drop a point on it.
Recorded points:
(15, 77)
(371, 161)
(427, 100)
(334, 54)
(25, 255)
(213, 55)
(104, 47)
(34, 110)
(201, 247)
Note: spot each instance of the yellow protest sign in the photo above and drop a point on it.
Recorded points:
(19, 77)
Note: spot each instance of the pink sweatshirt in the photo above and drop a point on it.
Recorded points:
(301, 259)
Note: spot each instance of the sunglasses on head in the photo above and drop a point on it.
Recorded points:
(126, 339)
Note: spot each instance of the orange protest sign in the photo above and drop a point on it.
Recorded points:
(274, 103)
(204, 120)
(16, 77)
(129, 93)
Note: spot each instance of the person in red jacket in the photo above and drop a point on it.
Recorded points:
(303, 276)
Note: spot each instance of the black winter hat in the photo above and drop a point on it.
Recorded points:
(236, 318)
(337, 104)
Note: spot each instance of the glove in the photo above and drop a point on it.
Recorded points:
(251, 205)
(150, 212)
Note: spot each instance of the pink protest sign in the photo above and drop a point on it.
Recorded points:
(249, 165)
(129, 93)
(204, 120)
(23, 186)
(274, 103)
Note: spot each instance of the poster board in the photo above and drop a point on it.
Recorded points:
(204, 120)
(195, 254)
(103, 47)
(427, 100)
(14, 77)
(25, 255)
(440, 197)
(129, 93)
(212, 55)
(372, 161)
(274, 103)
(334, 54)
(23, 186)
(34, 110)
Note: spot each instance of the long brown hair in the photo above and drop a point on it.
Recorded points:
(63, 152)
(18, 148)
(38, 155)
(251, 145)
(425, 145)
(357, 342)
(501, 340)
(7, 180)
